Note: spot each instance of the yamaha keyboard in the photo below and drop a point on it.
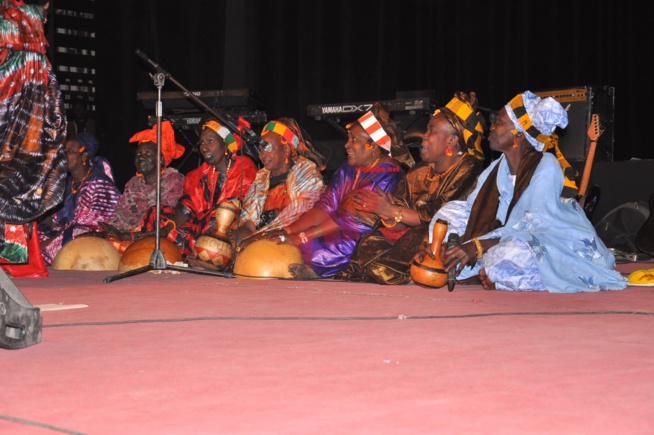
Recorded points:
(410, 106)
(174, 101)
(192, 120)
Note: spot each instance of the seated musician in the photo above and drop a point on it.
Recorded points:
(327, 233)
(223, 175)
(141, 190)
(90, 196)
(451, 161)
(288, 185)
(517, 232)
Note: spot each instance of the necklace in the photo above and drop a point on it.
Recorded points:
(356, 179)
(438, 177)
(212, 183)
(72, 189)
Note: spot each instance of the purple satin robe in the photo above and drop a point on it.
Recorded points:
(331, 254)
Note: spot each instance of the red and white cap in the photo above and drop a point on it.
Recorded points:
(373, 127)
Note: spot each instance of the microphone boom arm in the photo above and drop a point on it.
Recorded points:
(252, 139)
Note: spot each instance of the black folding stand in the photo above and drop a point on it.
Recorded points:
(252, 140)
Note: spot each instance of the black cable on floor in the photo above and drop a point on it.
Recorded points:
(37, 424)
(372, 318)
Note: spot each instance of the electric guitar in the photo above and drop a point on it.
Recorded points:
(588, 199)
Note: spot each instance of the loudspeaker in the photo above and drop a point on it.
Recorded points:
(581, 103)
(20, 322)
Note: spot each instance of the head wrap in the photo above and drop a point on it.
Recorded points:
(169, 148)
(536, 117)
(91, 146)
(89, 143)
(232, 143)
(466, 121)
(296, 138)
(374, 129)
(288, 136)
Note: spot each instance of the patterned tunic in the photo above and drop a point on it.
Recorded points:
(204, 189)
(138, 197)
(301, 190)
(94, 202)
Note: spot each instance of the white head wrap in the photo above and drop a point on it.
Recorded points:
(542, 117)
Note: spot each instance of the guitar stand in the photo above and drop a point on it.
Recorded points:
(157, 259)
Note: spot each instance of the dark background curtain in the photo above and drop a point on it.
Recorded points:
(293, 53)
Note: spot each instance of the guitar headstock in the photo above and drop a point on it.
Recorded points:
(595, 129)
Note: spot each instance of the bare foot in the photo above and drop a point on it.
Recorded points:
(302, 271)
(485, 281)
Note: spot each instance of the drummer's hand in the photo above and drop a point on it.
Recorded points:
(425, 251)
(465, 254)
(111, 232)
(278, 236)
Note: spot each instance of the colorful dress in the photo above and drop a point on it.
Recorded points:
(330, 254)
(546, 242)
(32, 124)
(384, 256)
(81, 213)
(139, 196)
(275, 202)
(204, 189)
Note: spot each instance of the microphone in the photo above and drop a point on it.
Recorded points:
(452, 241)
(143, 56)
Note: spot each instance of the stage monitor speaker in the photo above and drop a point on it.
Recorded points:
(581, 103)
(20, 322)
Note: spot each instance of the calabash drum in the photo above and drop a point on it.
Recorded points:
(267, 259)
(430, 271)
(217, 249)
(87, 253)
(214, 250)
(139, 253)
(225, 215)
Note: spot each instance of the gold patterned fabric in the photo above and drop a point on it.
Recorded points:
(384, 255)
(303, 187)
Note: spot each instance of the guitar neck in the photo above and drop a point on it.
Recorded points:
(583, 186)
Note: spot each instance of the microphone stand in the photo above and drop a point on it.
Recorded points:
(157, 259)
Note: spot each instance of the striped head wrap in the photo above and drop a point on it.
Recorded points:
(232, 143)
(374, 129)
(296, 139)
(467, 122)
(288, 136)
(536, 117)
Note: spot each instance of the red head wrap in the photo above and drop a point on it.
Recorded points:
(169, 148)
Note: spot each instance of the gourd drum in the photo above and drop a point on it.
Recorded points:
(139, 253)
(214, 250)
(267, 259)
(87, 253)
(430, 271)
(217, 249)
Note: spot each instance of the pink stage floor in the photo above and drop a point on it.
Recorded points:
(171, 353)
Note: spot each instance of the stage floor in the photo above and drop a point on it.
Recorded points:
(177, 353)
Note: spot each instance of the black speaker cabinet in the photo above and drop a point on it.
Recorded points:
(581, 103)
(20, 322)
